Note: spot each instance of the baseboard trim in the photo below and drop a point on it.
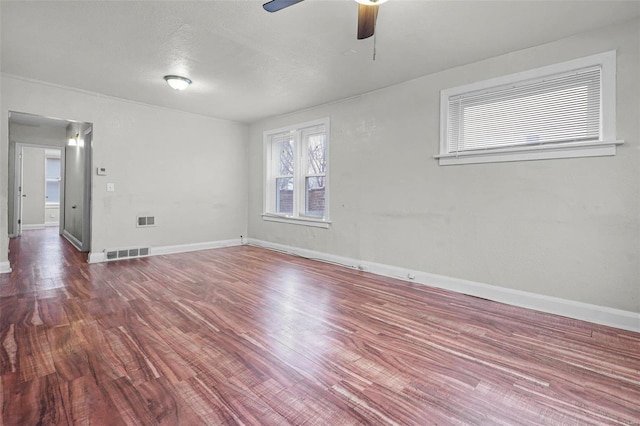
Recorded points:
(185, 248)
(603, 315)
(73, 240)
(48, 224)
(97, 257)
(33, 227)
(5, 267)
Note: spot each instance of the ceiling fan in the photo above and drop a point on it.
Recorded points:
(367, 13)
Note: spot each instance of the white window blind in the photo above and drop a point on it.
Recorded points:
(562, 110)
(554, 109)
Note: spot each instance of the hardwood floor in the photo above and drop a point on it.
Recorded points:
(243, 335)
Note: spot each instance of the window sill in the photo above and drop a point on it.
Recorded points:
(52, 205)
(536, 152)
(317, 223)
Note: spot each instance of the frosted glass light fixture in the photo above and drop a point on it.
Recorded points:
(371, 2)
(177, 82)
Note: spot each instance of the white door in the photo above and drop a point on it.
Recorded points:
(32, 188)
(19, 195)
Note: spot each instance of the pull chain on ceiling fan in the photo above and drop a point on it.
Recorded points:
(367, 14)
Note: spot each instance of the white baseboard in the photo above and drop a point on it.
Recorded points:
(97, 257)
(73, 240)
(52, 224)
(5, 267)
(33, 227)
(583, 311)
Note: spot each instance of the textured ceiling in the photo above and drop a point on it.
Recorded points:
(247, 64)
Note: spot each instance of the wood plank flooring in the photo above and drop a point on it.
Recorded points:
(243, 335)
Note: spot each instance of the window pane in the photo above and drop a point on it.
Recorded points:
(52, 194)
(284, 195)
(317, 159)
(315, 196)
(286, 158)
(53, 168)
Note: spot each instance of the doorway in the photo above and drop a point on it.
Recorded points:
(61, 185)
(39, 186)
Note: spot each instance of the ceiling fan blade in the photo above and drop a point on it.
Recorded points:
(276, 5)
(367, 16)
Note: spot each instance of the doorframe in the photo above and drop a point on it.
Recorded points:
(17, 194)
(83, 245)
(88, 176)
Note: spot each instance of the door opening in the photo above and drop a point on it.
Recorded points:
(63, 152)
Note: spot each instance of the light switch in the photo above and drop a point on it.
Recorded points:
(111, 187)
(101, 171)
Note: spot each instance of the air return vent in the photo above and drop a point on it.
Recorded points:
(145, 221)
(126, 253)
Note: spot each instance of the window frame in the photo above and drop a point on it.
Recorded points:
(300, 173)
(605, 146)
(56, 155)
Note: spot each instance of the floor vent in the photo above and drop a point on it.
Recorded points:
(126, 253)
(145, 221)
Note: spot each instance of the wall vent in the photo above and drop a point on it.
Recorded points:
(145, 221)
(126, 253)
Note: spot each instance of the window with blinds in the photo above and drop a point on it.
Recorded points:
(556, 108)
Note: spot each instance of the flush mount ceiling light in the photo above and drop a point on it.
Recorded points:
(177, 82)
(371, 2)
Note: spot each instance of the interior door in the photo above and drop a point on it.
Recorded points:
(33, 188)
(18, 198)
(77, 192)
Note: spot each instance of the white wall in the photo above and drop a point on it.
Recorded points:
(187, 170)
(563, 228)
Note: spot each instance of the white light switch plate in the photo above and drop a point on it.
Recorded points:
(111, 187)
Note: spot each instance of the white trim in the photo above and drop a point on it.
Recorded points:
(56, 223)
(535, 152)
(578, 310)
(184, 248)
(73, 240)
(5, 267)
(33, 227)
(97, 257)
(318, 223)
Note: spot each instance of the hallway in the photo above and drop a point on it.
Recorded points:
(40, 260)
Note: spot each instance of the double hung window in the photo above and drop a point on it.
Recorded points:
(296, 165)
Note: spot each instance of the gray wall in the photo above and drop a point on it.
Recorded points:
(566, 228)
(187, 170)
